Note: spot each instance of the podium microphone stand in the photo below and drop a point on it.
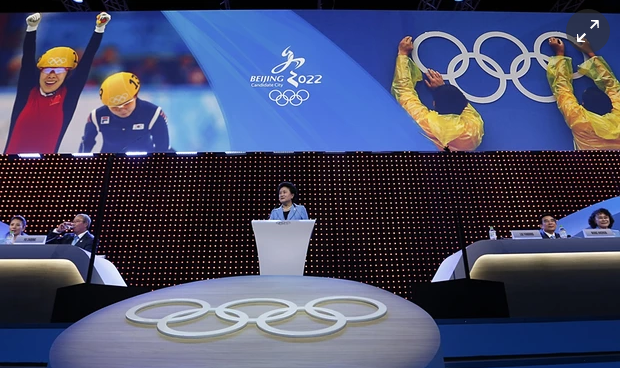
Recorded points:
(460, 298)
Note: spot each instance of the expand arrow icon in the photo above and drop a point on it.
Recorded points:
(580, 38)
(595, 23)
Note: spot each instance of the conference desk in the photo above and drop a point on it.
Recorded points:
(32, 274)
(544, 278)
(452, 267)
(104, 272)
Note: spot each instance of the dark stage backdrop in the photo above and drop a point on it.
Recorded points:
(386, 219)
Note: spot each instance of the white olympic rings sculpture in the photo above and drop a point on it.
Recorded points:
(495, 70)
(295, 98)
(241, 319)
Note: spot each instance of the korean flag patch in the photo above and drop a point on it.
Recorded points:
(138, 127)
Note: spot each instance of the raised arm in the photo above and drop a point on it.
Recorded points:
(560, 78)
(599, 71)
(406, 76)
(80, 74)
(28, 73)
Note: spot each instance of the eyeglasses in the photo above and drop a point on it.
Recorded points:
(55, 70)
(549, 221)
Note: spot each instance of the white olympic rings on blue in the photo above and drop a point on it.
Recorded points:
(495, 70)
(241, 319)
(295, 98)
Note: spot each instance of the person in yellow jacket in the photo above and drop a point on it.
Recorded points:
(595, 122)
(453, 124)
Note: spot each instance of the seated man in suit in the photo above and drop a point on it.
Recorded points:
(548, 224)
(80, 236)
(287, 193)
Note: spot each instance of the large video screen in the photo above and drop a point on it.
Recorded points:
(330, 81)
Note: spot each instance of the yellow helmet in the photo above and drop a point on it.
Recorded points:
(119, 88)
(58, 57)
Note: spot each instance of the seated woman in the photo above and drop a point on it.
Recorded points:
(287, 193)
(17, 225)
(602, 219)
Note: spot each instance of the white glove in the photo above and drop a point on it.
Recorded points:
(102, 20)
(33, 21)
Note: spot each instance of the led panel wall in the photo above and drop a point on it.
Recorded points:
(50, 190)
(387, 219)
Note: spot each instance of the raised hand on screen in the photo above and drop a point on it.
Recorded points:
(557, 46)
(433, 79)
(405, 46)
(33, 19)
(102, 20)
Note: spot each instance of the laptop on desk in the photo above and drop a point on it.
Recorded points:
(30, 240)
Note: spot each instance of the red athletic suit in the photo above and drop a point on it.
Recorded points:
(39, 121)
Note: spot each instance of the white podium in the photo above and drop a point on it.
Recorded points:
(282, 245)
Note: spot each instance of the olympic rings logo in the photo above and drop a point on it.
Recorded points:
(491, 66)
(241, 319)
(56, 61)
(118, 99)
(295, 98)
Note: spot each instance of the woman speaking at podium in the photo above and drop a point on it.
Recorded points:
(288, 210)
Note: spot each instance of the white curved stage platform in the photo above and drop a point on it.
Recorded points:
(255, 321)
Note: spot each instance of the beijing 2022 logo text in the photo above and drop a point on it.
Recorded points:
(290, 88)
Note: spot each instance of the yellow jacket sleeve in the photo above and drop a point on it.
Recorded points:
(599, 71)
(590, 131)
(458, 132)
(560, 78)
(406, 76)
